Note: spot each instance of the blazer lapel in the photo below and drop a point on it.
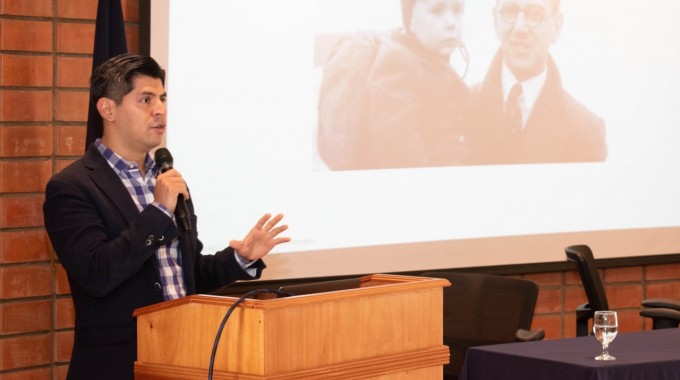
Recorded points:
(548, 116)
(106, 179)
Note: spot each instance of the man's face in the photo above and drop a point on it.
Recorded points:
(140, 117)
(526, 29)
(437, 24)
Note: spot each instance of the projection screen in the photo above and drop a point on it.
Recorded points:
(244, 83)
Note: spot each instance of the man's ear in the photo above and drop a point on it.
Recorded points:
(106, 108)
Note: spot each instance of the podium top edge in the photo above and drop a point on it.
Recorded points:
(370, 285)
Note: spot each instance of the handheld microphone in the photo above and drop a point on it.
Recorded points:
(164, 163)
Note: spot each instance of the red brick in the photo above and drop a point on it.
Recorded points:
(132, 38)
(23, 317)
(545, 279)
(26, 35)
(36, 8)
(669, 289)
(621, 296)
(572, 278)
(21, 212)
(628, 274)
(31, 374)
(62, 287)
(25, 351)
(72, 105)
(62, 370)
(130, 10)
(549, 301)
(19, 105)
(662, 272)
(573, 297)
(25, 281)
(61, 164)
(66, 314)
(629, 321)
(551, 324)
(64, 346)
(24, 176)
(83, 9)
(24, 246)
(25, 141)
(75, 38)
(73, 71)
(569, 325)
(26, 70)
(71, 140)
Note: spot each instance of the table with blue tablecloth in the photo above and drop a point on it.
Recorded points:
(653, 355)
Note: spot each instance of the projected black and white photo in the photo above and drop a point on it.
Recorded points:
(521, 112)
(393, 100)
(414, 155)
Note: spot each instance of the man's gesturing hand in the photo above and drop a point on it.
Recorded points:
(261, 239)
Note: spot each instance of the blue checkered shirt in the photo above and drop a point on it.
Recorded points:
(141, 189)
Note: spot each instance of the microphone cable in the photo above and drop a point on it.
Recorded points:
(228, 314)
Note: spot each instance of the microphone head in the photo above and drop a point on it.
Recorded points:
(163, 159)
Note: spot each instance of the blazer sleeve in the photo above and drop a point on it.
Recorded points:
(220, 269)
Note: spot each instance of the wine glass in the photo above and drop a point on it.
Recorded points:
(605, 327)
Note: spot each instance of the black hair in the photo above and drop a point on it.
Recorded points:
(114, 78)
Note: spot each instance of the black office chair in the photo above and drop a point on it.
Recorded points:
(483, 309)
(665, 313)
(582, 256)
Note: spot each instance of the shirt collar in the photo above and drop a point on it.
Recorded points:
(531, 88)
(121, 165)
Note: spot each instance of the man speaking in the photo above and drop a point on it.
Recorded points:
(110, 217)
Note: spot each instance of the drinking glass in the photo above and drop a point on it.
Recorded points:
(605, 327)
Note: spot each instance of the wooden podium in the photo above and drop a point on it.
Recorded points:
(389, 328)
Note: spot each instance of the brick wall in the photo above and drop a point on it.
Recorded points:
(561, 293)
(45, 60)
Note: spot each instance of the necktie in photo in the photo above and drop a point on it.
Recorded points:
(513, 109)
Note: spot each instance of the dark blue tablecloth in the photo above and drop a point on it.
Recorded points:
(653, 355)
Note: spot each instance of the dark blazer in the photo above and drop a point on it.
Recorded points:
(559, 129)
(108, 249)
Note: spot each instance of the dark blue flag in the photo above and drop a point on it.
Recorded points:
(109, 41)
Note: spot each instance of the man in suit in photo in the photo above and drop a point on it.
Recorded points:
(110, 217)
(521, 112)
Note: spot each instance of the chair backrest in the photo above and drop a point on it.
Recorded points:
(582, 256)
(482, 309)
